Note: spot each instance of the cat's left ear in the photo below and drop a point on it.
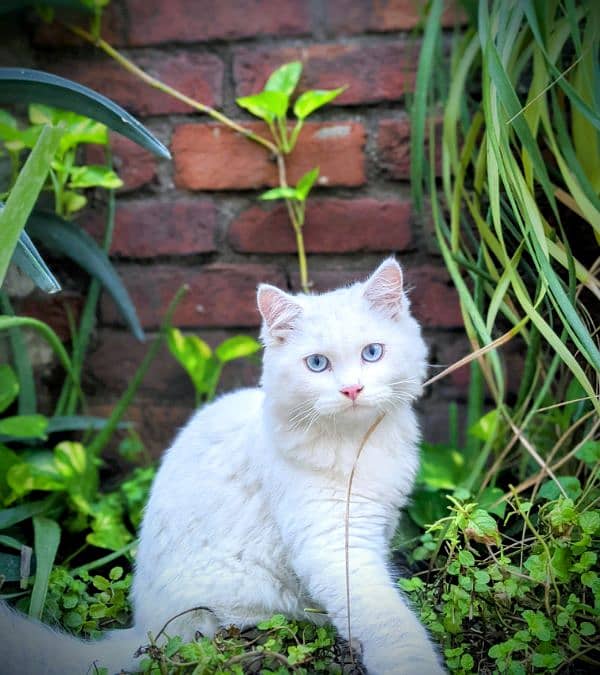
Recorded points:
(278, 310)
(384, 289)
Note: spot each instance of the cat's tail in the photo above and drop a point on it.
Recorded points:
(28, 647)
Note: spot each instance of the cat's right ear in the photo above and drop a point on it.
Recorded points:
(278, 310)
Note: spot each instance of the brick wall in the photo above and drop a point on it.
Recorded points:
(197, 221)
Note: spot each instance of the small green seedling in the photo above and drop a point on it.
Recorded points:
(204, 365)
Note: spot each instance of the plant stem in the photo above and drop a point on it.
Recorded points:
(277, 149)
(165, 88)
(105, 435)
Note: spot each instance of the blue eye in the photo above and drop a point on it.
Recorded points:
(317, 363)
(372, 352)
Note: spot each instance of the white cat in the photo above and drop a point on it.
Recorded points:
(247, 512)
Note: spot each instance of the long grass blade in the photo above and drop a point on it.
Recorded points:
(46, 541)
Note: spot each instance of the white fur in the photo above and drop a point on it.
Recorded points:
(246, 515)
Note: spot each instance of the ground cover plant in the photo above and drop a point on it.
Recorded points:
(499, 547)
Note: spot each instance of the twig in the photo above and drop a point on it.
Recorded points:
(347, 523)
(176, 616)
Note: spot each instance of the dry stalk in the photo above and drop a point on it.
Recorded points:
(366, 437)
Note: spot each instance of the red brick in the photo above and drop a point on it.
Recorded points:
(146, 228)
(433, 299)
(372, 72)
(135, 166)
(53, 310)
(199, 75)
(349, 16)
(331, 226)
(220, 294)
(447, 350)
(156, 21)
(113, 27)
(211, 157)
(393, 147)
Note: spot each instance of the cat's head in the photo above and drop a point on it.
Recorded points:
(349, 353)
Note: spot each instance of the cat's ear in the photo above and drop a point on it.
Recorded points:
(278, 310)
(384, 289)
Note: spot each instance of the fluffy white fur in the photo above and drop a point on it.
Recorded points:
(246, 515)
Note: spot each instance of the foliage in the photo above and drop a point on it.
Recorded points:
(271, 105)
(88, 604)
(277, 646)
(68, 472)
(53, 144)
(204, 365)
(526, 600)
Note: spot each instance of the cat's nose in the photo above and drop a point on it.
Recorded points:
(352, 391)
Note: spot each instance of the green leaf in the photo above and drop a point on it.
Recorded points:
(17, 514)
(73, 201)
(304, 185)
(488, 498)
(20, 85)
(586, 628)
(539, 625)
(418, 113)
(24, 426)
(59, 423)
(426, 507)
(589, 521)
(8, 458)
(237, 347)
(466, 558)
(192, 353)
(25, 192)
(310, 101)
(47, 538)
(285, 79)
(94, 176)
(31, 263)
(267, 105)
(72, 620)
(9, 387)
(551, 491)
(37, 472)
(589, 453)
(481, 527)
(441, 467)
(66, 238)
(78, 469)
(108, 530)
(11, 542)
(280, 193)
(485, 427)
(78, 128)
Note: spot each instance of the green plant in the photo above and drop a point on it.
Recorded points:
(535, 587)
(270, 105)
(204, 365)
(277, 646)
(45, 480)
(21, 85)
(87, 605)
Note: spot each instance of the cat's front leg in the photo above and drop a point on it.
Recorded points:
(393, 640)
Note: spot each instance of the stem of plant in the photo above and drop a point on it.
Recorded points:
(277, 152)
(104, 436)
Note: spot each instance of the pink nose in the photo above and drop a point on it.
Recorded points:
(352, 391)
